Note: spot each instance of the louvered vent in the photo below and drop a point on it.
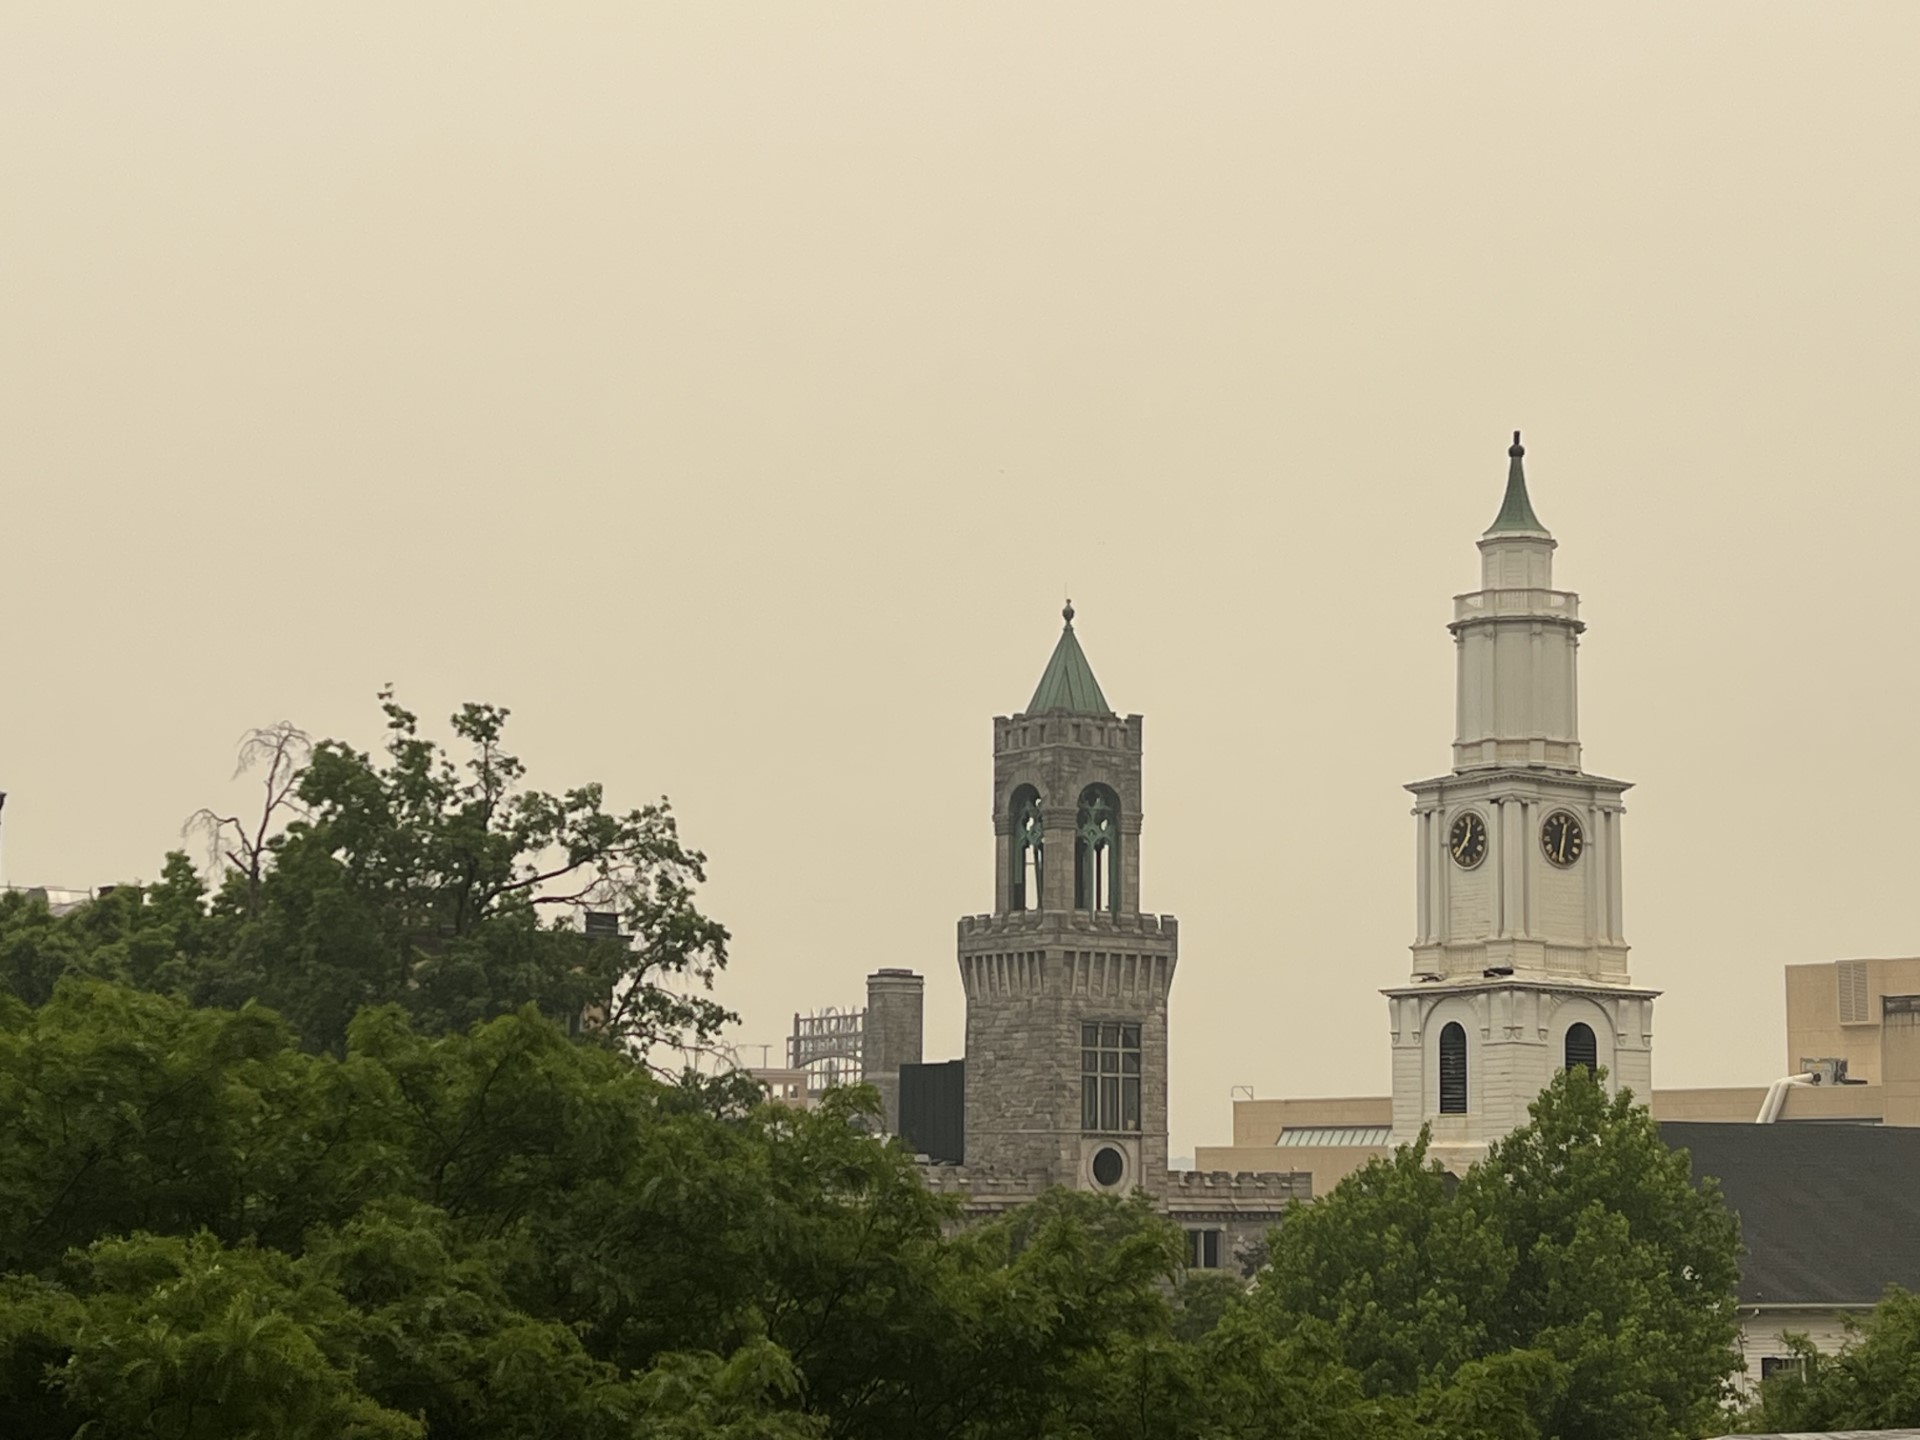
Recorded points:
(1853, 992)
(1583, 1049)
(1453, 1070)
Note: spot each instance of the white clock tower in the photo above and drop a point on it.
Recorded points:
(1520, 961)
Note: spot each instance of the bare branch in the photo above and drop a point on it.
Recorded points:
(284, 749)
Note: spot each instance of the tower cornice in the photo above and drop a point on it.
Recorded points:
(1572, 985)
(1456, 779)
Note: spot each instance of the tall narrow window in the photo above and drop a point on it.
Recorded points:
(1453, 1070)
(1110, 1076)
(1583, 1050)
(1025, 852)
(1096, 852)
(1203, 1249)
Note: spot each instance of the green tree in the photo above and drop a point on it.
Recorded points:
(443, 885)
(1409, 1282)
(1873, 1383)
(413, 1232)
(122, 1111)
(185, 1337)
(1575, 1281)
(740, 1397)
(151, 936)
(428, 882)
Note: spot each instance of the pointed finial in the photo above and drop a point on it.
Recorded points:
(1517, 449)
(1066, 612)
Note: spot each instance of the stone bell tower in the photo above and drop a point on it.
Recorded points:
(1520, 957)
(1067, 981)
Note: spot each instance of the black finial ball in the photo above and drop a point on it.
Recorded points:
(1066, 612)
(1517, 449)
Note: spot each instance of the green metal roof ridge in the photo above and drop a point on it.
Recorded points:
(1068, 683)
(1516, 510)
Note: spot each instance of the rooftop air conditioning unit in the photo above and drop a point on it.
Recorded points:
(1828, 1070)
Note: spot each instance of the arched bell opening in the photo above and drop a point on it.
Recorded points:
(1026, 854)
(1096, 852)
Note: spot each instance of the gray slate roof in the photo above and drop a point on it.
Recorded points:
(1829, 1213)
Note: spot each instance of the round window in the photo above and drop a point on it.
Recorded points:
(1108, 1166)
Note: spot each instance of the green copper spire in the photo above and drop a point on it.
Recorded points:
(1516, 511)
(1068, 683)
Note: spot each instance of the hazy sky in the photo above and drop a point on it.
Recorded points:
(732, 390)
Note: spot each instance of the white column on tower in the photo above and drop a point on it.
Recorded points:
(1529, 821)
(1573, 686)
(1596, 826)
(1498, 840)
(1538, 720)
(1423, 867)
(1616, 926)
(1460, 691)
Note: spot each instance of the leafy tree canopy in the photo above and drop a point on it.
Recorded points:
(441, 884)
(1574, 1284)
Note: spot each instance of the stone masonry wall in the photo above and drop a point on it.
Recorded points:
(896, 1006)
(1031, 981)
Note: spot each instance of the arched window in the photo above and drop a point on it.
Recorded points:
(1025, 853)
(1096, 852)
(1453, 1069)
(1582, 1049)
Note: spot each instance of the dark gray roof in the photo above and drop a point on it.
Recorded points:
(1829, 1213)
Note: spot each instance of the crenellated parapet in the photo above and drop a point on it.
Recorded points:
(1193, 1191)
(1079, 732)
(959, 1180)
(1028, 924)
(1243, 1206)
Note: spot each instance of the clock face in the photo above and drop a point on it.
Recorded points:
(1561, 838)
(1467, 841)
